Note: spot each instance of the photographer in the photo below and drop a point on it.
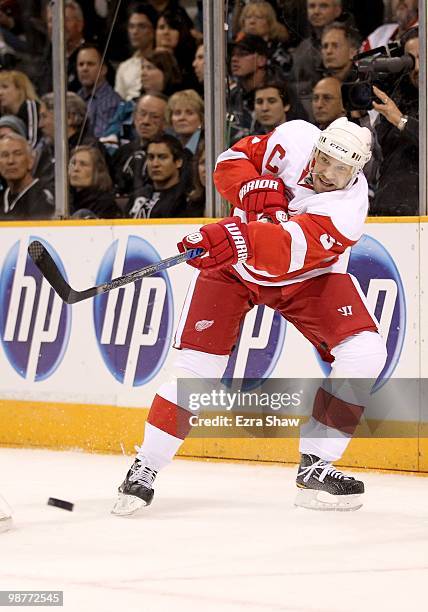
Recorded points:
(397, 132)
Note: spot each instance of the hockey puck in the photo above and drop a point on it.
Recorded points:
(60, 503)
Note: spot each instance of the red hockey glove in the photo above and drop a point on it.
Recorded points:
(261, 193)
(225, 243)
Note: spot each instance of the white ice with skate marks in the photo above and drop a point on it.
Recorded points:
(218, 537)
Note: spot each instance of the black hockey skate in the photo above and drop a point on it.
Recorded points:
(136, 490)
(322, 487)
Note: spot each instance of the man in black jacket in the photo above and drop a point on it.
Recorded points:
(166, 196)
(24, 198)
(248, 66)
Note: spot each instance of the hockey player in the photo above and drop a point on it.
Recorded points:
(309, 183)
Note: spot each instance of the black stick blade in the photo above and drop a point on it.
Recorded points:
(49, 269)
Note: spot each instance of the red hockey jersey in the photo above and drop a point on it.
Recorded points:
(321, 226)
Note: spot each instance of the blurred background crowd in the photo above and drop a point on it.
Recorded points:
(135, 97)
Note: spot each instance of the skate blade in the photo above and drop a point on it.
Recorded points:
(6, 523)
(127, 504)
(312, 499)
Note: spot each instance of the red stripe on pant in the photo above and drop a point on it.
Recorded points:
(336, 413)
(169, 417)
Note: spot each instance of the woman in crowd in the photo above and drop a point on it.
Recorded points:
(173, 34)
(18, 97)
(160, 73)
(185, 114)
(259, 19)
(91, 185)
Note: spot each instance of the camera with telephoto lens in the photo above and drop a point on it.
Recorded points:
(381, 67)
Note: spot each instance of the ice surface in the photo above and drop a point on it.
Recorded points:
(218, 537)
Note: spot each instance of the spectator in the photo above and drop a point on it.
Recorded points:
(24, 198)
(327, 102)
(405, 15)
(185, 113)
(173, 34)
(141, 33)
(196, 199)
(100, 97)
(18, 97)
(339, 44)
(74, 25)
(9, 124)
(198, 68)
(271, 105)
(307, 61)
(165, 197)
(90, 184)
(248, 66)
(129, 161)
(160, 73)
(288, 12)
(259, 19)
(78, 132)
(397, 131)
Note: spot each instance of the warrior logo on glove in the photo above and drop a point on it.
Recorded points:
(264, 195)
(240, 243)
(225, 243)
(258, 184)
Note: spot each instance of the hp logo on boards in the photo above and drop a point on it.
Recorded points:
(259, 345)
(134, 324)
(34, 322)
(381, 282)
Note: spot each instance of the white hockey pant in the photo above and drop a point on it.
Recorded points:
(358, 362)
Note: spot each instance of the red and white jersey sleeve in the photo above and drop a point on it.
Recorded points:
(283, 152)
(310, 243)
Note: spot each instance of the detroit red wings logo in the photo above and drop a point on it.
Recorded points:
(204, 324)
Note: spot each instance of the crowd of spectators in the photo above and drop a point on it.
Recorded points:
(135, 98)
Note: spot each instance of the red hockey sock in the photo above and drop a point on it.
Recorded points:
(169, 417)
(336, 413)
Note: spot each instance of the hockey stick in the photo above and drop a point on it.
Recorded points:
(50, 271)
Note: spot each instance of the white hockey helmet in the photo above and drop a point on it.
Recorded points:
(347, 142)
